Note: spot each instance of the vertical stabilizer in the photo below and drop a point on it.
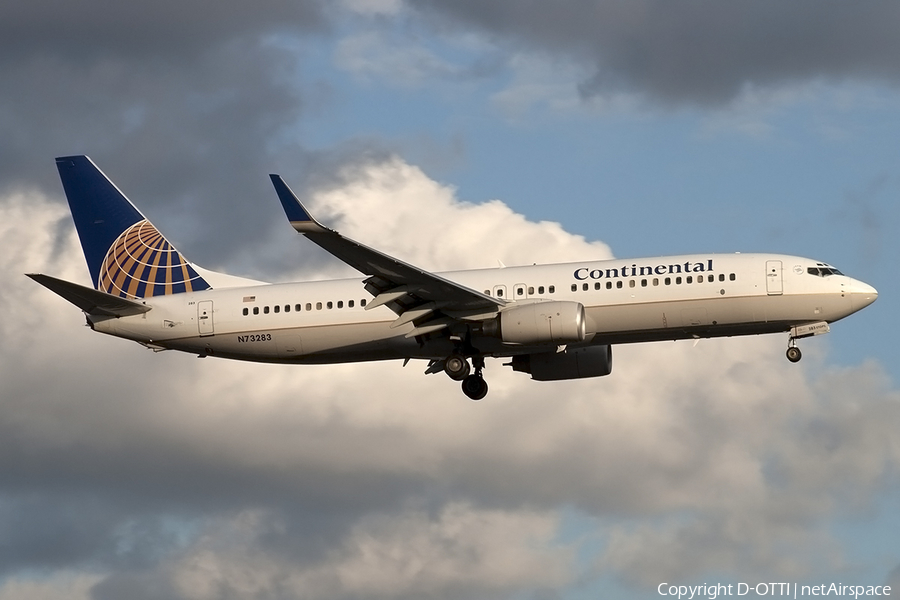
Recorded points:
(126, 255)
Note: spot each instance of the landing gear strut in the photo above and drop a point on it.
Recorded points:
(474, 386)
(793, 352)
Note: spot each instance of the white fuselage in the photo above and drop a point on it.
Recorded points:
(627, 300)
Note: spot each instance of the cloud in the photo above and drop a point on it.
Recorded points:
(185, 106)
(403, 212)
(460, 552)
(203, 478)
(68, 586)
(693, 52)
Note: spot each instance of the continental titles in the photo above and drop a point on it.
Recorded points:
(639, 271)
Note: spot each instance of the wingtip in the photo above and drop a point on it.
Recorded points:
(294, 210)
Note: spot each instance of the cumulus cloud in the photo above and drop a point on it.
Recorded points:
(197, 479)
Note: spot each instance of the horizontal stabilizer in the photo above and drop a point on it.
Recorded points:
(89, 300)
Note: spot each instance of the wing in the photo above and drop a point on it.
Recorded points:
(428, 301)
(89, 300)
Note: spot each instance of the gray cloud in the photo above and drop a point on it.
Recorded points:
(696, 52)
(168, 30)
(180, 103)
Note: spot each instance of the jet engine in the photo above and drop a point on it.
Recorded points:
(540, 323)
(574, 363)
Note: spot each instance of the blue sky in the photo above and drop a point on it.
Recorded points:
(451, 134)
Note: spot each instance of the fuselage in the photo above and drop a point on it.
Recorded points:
(625, 301)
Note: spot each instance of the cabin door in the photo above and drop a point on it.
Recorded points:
(205, 317)
(774, 286)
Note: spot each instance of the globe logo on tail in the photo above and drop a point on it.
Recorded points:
(142, 263)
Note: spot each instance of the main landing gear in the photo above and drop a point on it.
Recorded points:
(457, 368)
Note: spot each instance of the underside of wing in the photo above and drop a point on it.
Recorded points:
(428, 301)
(90, 300)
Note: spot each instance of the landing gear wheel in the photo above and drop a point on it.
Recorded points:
(794, 354)
(475, 387)
(457, 367)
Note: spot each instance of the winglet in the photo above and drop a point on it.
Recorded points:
(296, 213)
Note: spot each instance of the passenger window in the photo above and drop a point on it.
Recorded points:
(520, 291)
(277, 309)
(297, 307)
(530, 291)
(689, 279)
(255, 310)
(619, 285)
(721, 276)
(609, 285)
(655, 281)
(500, 293)
(487, 292)
(318, 306)
(731, 277)
(574, 287)
(668, 281)
(678, 281)
(362, 302)
(330, 305)
(597, 286)
(584, 287)
(287, 308)
(552, 289)
(309, 306)
(631, 283)
(246, 312)
(265, 310)
(643, 283)
(350, 304)
(540, 289)
(340, 304)
(711, 278)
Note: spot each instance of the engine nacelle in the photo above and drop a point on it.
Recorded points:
(574, 363)
(540, 323)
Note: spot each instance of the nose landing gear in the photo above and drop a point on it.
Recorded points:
(803, 331)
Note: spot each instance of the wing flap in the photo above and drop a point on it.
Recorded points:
(90, 300)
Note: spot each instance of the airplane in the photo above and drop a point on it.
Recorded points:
(552, 321)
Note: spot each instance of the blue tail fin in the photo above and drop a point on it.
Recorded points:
(125, 253)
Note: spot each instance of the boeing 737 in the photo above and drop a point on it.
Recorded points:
(552, 321)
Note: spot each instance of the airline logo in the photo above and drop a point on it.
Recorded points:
(141, 263)
(639, 271)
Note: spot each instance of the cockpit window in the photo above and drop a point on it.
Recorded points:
(823, 270)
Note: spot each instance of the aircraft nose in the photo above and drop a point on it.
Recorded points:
(861, 294)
